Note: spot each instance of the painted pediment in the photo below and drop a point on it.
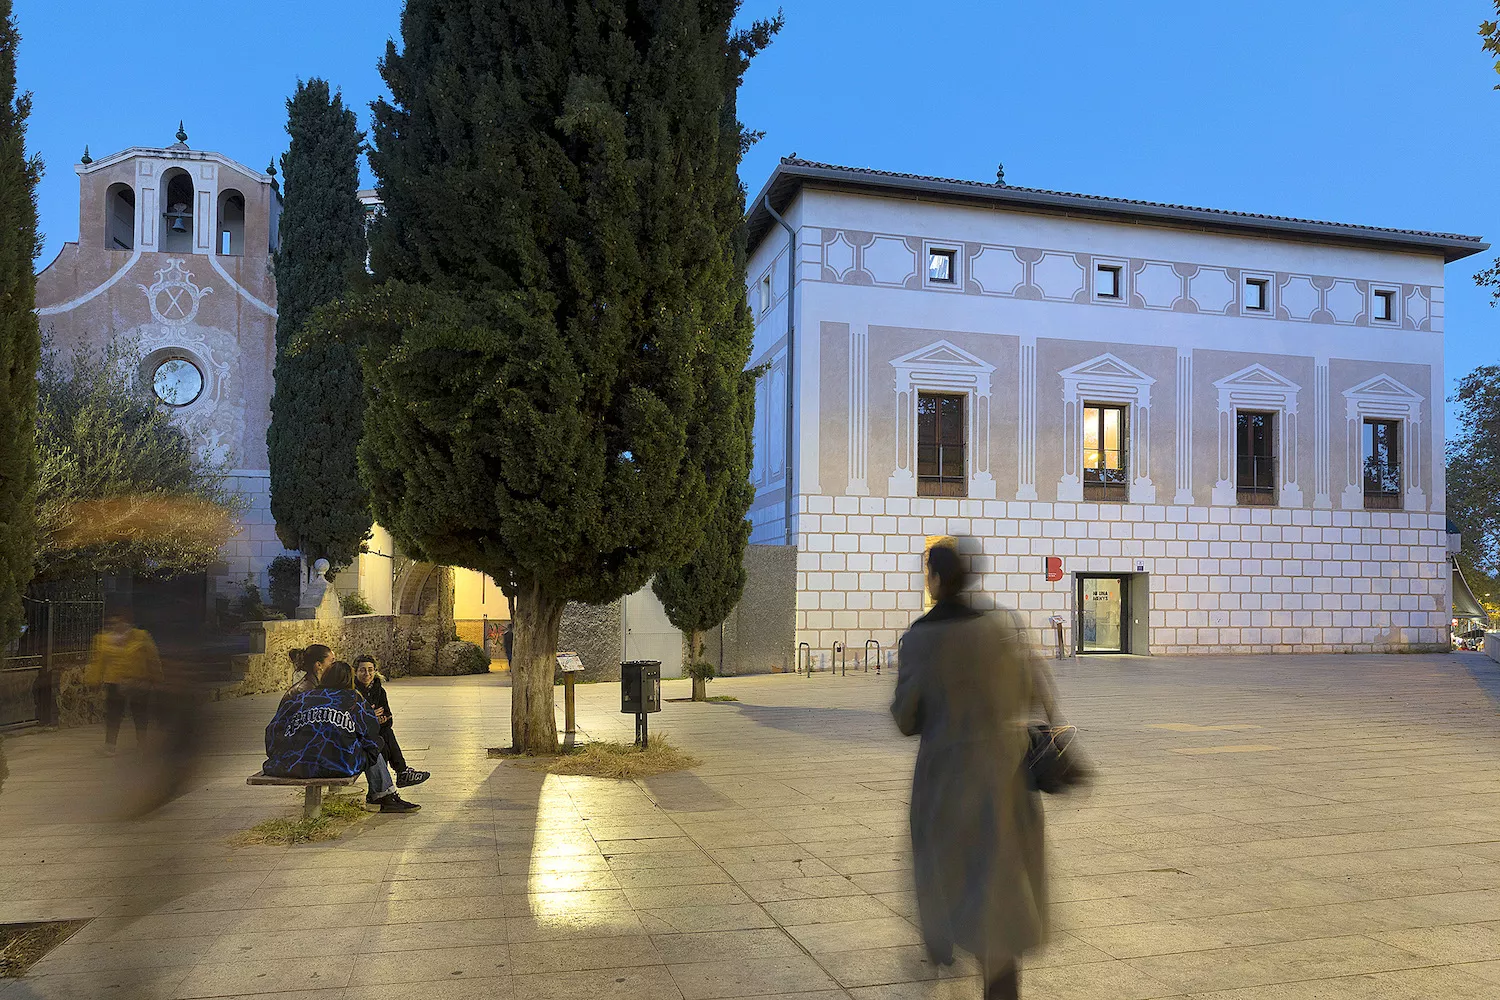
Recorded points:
(1107, 368)
(942, 354)
(1256, 377)
(1383, 386)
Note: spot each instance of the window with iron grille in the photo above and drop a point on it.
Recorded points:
(942, 462)
(1255, 458)
(1382, 465)
(1105, 471)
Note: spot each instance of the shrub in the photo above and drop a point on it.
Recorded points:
(354, 603)
(286, 584)
(251, 607)
(462, 658)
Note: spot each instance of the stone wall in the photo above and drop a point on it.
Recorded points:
(401, 645)
(594, 632)
(759, 636)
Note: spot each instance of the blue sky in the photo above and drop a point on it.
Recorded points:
(1379, 113)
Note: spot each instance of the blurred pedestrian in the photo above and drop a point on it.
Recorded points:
(124, 660)
(968, 684)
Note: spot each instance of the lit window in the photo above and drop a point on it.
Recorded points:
(942, 469)
(940, 266)
(1107, 281)
(1104, 472)
(1256, 294)
(1385, 306)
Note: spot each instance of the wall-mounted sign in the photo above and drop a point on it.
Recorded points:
(1140, 567)
(1054, 568)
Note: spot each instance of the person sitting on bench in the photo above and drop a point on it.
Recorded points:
(307, 667)
(368, 683)
(329, 732)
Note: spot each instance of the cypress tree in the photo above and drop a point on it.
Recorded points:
(321, 508)
(553, 358)
(699, 594)
(20, 339)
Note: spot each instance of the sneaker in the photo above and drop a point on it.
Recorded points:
(411, 776)
(394, 803)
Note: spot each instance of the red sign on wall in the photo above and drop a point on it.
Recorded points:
(1054, 567)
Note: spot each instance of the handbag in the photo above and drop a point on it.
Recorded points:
(1053, 762)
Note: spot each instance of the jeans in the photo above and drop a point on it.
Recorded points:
(378, 777)
(116, 697)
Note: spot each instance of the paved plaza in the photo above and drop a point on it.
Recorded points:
(1262, 827)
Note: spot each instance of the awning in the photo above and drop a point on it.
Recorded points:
(1465, 604)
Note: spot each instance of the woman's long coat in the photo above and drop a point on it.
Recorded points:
(968, 684)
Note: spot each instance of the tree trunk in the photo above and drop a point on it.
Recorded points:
(700, 683)
(533, 722)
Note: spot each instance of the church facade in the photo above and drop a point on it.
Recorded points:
(1164, 429)
(174, 257)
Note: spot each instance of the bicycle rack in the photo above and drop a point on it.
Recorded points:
(800, 647)
(876, 644)
(839, 653)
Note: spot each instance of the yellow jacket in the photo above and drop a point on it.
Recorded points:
(131, 661)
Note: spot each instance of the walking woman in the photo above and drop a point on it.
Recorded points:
(125, 661)
(968, 685)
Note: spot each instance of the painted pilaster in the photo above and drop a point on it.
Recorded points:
(1184, 494)
(859, 410)
(1026, 423)
(1322, 490)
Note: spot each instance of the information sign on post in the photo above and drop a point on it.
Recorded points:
(571, 665)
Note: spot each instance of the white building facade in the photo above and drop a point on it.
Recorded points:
(1177, 430)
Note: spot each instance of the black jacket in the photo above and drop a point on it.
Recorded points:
(375, 697)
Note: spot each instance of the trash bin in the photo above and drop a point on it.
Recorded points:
(640, 687)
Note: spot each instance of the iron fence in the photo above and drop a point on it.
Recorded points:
(55, 633)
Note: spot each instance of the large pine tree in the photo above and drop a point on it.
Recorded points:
(20, 340)
(320, 506)
(553, 358)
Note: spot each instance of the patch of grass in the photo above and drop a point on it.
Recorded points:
(613, 760)
(722, 697)
(340, 812)
(23, 945)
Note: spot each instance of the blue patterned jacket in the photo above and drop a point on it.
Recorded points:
(321, 734)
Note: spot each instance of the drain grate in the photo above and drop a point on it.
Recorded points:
(24, 945)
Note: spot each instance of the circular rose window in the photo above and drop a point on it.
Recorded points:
(177, 382)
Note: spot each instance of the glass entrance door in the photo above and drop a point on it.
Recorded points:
(1102, 614)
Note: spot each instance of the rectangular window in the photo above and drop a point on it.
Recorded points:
(1105, 476)
(1107, 281)
(1382, 465)
(941, 266)
(1256, 294)
(1385, 306)
(765, 293)
(1255, 458)
(942, 465)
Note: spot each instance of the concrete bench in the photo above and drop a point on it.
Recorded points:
(312, 799)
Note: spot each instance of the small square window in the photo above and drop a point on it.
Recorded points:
(941, 266)
(1385, 305)
(1257, 294)
(765, 293)
(1107, 281)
